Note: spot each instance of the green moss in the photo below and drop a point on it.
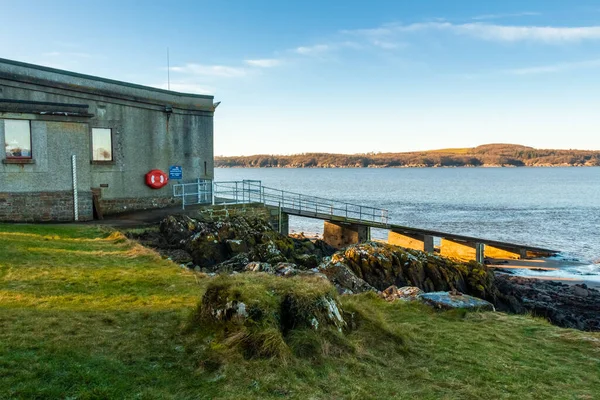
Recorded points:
(245, 311)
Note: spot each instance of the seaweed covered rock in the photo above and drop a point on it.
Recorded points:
(230, 244)
(381, 266)
(258, 312)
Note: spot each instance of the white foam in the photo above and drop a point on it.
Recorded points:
(581, 272)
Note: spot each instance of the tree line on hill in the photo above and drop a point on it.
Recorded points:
(505, 155)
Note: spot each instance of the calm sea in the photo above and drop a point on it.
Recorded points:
(557, 208)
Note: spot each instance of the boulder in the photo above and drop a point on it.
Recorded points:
(406, 293)
(262, 314)
(453, 300)
(180, 256)
(256, 266)
(286, 269)
(263, 299)
(342, 277)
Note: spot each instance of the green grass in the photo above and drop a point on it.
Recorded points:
(85, 314)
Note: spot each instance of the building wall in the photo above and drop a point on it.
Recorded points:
(151, 130)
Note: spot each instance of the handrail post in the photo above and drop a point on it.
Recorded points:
(198, 198)
(212, 192)
(280, 216)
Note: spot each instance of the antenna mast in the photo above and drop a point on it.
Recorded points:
(168, 71)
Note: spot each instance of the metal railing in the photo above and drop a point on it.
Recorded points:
(198, 192)
(252, 191)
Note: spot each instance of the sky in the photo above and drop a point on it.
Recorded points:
(341, 76)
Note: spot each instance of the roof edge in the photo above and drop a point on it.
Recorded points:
(104, 80)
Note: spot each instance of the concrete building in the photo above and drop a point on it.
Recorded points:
(117, 131)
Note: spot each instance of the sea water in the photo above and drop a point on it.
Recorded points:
(555, 208)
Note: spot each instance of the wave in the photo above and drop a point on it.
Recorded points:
(581, 272)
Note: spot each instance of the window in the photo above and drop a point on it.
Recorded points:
(17, 138)
(101, 144)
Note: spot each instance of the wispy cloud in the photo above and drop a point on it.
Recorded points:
(386, 45)
(311, 50)
(558, 67)
(211, 70)
(507, 15)
(68, 54)
(264, 62)
(185, 87)
(484, 31)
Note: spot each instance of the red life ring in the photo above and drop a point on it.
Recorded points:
(156, 179)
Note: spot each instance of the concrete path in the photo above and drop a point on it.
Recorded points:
(142, 218)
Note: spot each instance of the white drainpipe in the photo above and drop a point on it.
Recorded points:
(75, 197)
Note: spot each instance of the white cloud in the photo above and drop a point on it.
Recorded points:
(546, 34)
(264, 63)
(185, 87)
(559, 67)
(484, 31)
(211, 70)
(67, 54)
(385, 45)
(508, 15)
(311, 50)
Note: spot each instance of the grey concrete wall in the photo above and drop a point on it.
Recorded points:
(152, 129)
(53, 144)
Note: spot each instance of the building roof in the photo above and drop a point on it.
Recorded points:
(11, 70)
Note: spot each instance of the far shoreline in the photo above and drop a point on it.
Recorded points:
(412, 167)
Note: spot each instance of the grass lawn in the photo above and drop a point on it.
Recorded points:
(86, 314)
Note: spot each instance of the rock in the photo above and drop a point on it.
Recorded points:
(580, 290)
(382, 265)
(285, 269)
(406, 293)
(344, 280)
(262, 301)
(180, 256)
(211, 244)
(568, 306)
(257, 266)
(452, 300)
(236, 246)
(234, 264)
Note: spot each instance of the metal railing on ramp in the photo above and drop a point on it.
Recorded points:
(252, 191)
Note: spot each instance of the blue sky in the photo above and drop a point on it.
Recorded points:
(345, 76)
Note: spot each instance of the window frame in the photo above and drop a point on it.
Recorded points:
(17, 158)
(112, 147)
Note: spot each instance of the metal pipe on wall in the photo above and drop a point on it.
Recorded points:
(75, 195)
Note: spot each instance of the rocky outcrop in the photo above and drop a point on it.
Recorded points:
(570, 306)
(381, 266)
(231, 244)
(241, 244)
(259, 312)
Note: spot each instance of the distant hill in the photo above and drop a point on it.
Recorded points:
(488, 155)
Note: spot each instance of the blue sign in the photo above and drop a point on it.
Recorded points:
(175, 172)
